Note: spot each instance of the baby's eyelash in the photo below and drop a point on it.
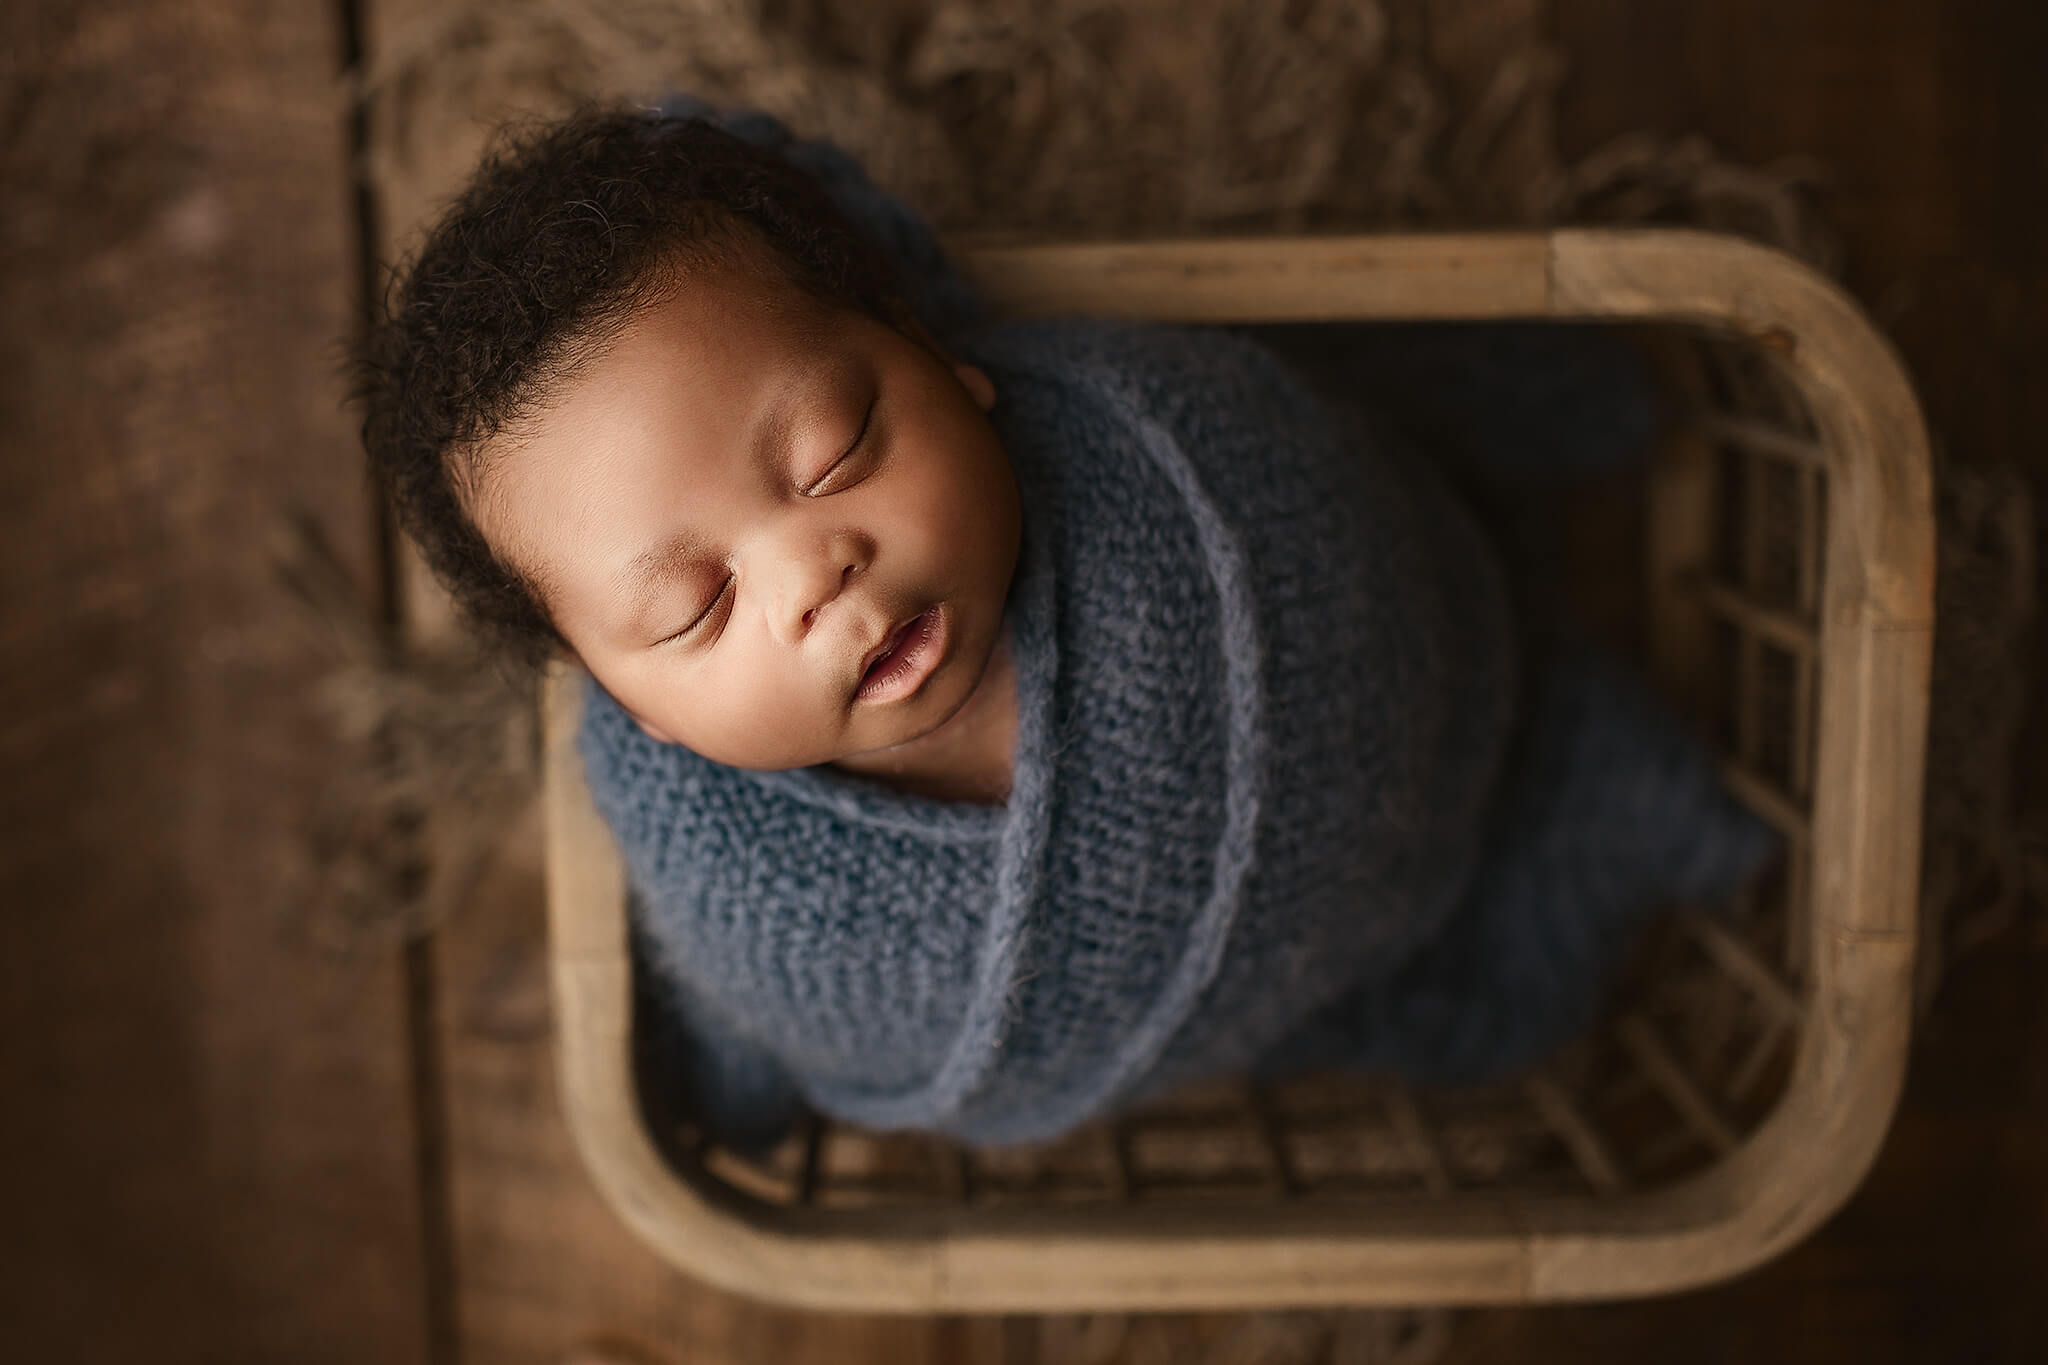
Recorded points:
(867, 422)
(710, 608)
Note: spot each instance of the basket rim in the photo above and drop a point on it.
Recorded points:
(1800, 1164)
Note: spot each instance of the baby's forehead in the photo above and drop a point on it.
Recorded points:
(705, 315)
(716, 355)
(742, 268)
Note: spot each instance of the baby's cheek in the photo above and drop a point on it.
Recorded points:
(954, 514)
(769, 719)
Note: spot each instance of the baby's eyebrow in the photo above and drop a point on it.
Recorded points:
(651, 566)
(636, 583)
(808, 394)
(768, 443)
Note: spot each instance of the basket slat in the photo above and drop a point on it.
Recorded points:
(1423, 1147)
(1762, 621)
(1699, 1112)
(1742, 963)
(1596, 1162)
(1763, 438)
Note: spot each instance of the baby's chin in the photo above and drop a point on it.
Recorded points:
(788, 743)
(911, 732)
(899, 746)
(932, 733)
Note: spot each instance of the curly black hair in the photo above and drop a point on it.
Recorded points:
(563, 234)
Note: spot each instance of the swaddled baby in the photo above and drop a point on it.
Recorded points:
(1005, 722)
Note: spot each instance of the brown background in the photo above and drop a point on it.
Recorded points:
(225, 1139)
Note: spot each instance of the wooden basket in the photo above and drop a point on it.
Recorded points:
(1733, 1104)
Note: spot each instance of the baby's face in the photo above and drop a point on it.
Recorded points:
(778, 533)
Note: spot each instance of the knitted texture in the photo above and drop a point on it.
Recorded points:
(1287, 791)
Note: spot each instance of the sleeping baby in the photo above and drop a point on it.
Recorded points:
(1004, 723)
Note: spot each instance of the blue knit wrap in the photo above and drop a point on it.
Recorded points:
(1295, 785)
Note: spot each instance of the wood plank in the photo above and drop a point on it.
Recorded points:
(208, 1147)
(1244, 280)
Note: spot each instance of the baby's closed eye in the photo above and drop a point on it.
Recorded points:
(705, 619)
(852, 464)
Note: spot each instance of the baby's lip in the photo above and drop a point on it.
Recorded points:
(908, 653)
(889, 640)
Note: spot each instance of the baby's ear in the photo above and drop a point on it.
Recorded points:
(977, 383)
(972, 377)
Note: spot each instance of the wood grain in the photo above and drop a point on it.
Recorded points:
(207, 1151)
(1245, 280)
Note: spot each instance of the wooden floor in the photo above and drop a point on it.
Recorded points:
(230, 1136)
(207, 1140)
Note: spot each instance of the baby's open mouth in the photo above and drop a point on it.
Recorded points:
(909, 655)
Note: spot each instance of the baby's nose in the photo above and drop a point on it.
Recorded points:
(810, 584)
(809, 615)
